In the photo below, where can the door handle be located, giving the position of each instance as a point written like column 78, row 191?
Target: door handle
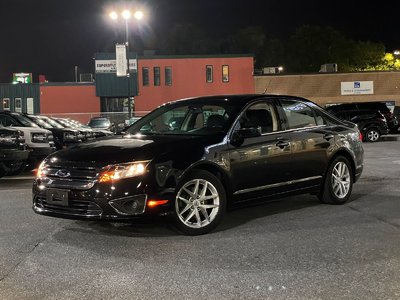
column 328, row 136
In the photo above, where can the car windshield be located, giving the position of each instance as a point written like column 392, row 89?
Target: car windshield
column 103, row 123
column 25, row 121
column 42, row 123
column 52, row 122
column 188, row 118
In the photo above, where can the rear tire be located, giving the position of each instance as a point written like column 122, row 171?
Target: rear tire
column 200, row 203
column 372, row 135
column 338, row 182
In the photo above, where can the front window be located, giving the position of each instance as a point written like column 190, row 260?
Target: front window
column 156, row 71
column 18, row 105
column 24, row 121
column 192, row 118
column 225, row 73
column 209, row 74
column 168, row 76
column 6, row 104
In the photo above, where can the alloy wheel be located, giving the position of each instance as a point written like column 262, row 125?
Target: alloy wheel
column 341, row 180
column 197, row 203
column 373, row 135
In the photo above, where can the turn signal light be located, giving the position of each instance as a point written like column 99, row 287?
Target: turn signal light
column 154, row 203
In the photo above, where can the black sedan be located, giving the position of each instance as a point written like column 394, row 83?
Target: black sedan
column 228, row 150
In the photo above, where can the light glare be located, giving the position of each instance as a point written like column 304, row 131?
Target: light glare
column 138, row 15
column 126, row 14
column 113, row 15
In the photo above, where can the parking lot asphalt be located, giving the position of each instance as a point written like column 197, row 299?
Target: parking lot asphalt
column 295, row 248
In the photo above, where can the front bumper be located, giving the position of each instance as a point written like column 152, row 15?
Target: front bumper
column 13, row 154
column 111, row 202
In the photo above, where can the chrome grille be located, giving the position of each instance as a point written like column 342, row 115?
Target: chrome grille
column 71, row 175
column 75, row 207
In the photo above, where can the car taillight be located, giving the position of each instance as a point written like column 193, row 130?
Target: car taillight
column 361, row 136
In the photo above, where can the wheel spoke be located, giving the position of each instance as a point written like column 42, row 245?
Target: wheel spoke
column 188, row 206
column 206, row 206
column 190, row 215
column 196, row 212
column 189, row 192
column 196, row 188
column 204, row 191
column 184, row 200
column 205, row 214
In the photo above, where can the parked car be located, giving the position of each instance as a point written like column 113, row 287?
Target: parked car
column 102, row 123
column 86, row 133
column 13, row 151
column 38, row 140
column 229, row 150
column 63, row 137
column 371, row 123
column 391, row 119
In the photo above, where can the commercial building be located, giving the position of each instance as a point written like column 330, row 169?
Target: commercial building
column 332, row 88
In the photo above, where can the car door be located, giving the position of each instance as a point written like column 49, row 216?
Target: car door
column 259, row 164
column 311, row 142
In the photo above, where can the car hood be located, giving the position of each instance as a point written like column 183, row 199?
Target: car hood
column 119, row 149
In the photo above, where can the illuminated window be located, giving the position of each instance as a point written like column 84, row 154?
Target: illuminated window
column 145, row 76
column 209, row 73
column 168, row 76
column 225, row 73
column 6, row 104
column 18, row 104
column 156, row 76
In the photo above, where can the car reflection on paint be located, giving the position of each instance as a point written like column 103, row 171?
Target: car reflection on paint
column 228, row 150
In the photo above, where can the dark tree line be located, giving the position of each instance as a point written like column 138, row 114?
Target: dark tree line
column 304, row 51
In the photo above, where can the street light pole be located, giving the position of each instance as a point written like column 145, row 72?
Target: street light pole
column 128, row 75
column 126, row 15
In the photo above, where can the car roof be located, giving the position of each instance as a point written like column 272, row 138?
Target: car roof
column 237, row 98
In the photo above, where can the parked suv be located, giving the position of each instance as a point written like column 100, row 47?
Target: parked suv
column 13, row 151
column 371, row 123
column 392, row 121
column 63, row 137
column 38, row 140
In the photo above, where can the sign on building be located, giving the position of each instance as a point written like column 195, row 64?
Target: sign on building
column 357, row 88
column 22, row 78
column 121, row 62
column 110, row 65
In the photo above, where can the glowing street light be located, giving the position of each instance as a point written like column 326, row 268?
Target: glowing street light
column 127, row 15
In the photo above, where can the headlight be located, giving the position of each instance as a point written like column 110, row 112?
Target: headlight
column 8, row 140
column 70, row 136
column 126, row 170
column 39, row 137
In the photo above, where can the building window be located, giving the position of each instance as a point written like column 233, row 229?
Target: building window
column 6, row 104
column 209, row 73
column 168, row 76
column 156, row 76
column 18, row 105
column 145, row 76
column 29, row 105
column 225, row 73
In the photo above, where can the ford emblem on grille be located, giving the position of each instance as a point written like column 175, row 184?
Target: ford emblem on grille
column 63, row 173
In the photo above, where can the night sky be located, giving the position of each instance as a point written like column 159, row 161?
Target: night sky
column 50, row 37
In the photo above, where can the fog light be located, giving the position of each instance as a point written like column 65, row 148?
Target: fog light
column 132, row 205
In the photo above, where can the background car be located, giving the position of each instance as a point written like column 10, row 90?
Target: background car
column 63, row 137
column 38, row 140
column 371, row 123
column 13, row 151
column 391, row 119
column 101, row 123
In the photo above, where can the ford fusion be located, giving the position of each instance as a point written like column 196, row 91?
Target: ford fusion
column 225, row 151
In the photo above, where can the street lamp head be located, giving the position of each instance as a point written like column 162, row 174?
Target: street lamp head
column 138, row 15
column 113, row 15
column 126, row 14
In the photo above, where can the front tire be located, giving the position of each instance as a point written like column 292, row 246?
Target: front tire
column 338, row 182
column 200, row 203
